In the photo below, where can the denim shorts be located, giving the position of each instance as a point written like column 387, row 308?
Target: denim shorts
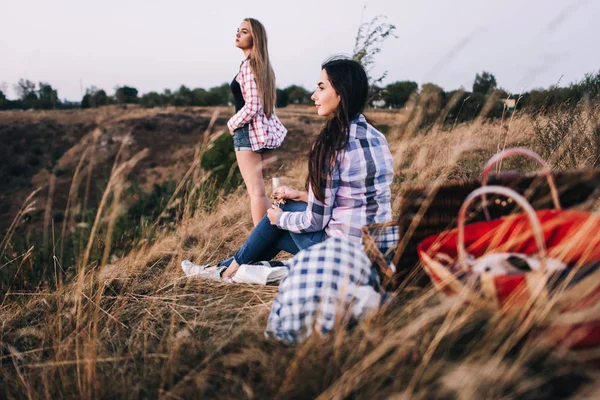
column 241, row 140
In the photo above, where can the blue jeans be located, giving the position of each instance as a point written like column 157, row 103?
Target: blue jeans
column 241, row 140
column 266, row 240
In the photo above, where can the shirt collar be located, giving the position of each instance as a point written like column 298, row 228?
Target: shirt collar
column 358, row 122
column 245, row 59
column 359, row 118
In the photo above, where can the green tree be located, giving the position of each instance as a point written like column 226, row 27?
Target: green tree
column 47, row 96
column 297, row 95
column 282, row 99
column 213, row 98
column 94, row 97
column 3, row 102
column 484, row 82
column 167, row 97
column 225, row 92
column 26, row 90
column 183, row 97
column 376, row 94
column 397, row 94
column 219, row 96
column 431, row 88
column 199, row 97
column 126, row 95
column 85, row 101
column 100, row 98
column 152, row 99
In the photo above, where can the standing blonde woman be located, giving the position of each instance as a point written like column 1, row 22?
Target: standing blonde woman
column 255, row 128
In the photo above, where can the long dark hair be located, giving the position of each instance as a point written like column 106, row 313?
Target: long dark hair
column 350, row 82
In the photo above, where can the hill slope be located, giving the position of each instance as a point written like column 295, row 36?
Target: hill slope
column 134, row 327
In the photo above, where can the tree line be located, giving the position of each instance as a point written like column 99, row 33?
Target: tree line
column 394, row 95
column 44, row 97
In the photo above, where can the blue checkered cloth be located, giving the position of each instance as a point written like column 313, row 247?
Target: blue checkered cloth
column 329, row 282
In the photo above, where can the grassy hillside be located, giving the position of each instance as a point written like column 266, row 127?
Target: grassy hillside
column 128, row 324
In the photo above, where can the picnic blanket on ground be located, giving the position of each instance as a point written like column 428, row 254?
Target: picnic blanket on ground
column 330, row 283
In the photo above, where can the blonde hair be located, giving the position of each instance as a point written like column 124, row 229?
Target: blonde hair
column 261, row 66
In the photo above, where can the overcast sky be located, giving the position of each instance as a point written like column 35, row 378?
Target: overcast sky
column 157, row 44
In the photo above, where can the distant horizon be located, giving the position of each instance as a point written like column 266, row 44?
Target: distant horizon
column 152, row 46
column 468, row 89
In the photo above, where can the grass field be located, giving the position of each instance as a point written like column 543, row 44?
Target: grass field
column 131, row 326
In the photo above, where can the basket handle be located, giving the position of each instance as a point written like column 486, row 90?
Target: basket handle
column 524, row 152
column 520, row 200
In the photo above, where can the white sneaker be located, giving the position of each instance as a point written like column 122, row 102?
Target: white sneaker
column 194, row 270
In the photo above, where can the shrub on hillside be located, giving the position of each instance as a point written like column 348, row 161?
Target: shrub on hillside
column 37, row 150
column 220, row 162
column 32, row 160
column 16, row 169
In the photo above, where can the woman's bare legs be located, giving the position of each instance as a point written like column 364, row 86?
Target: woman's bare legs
column 268, row 157
column 250, row 164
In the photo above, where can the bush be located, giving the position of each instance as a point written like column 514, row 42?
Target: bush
column 16, row 169
column 17, row 148
column 56, row 154
column 4, row 207
column 58, row 172
column 32, row 160
column 219, row 160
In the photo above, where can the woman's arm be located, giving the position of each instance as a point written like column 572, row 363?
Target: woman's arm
column 250, row 93
column 303, row 196
column 283, row 193
column 317, row 214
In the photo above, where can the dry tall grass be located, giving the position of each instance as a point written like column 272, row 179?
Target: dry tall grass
column 135, row 327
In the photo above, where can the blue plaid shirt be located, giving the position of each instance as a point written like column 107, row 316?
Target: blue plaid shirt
column 358, row 192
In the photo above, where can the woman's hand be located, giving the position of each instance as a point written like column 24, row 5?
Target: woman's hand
column 231, row 270
column 282, row 193
column 273, row 213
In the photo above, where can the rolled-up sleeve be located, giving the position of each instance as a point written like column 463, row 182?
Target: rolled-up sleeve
column 317, row 214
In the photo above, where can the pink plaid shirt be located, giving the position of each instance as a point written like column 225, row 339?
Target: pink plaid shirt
column 264, row 132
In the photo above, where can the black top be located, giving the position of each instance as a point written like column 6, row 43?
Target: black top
column 238, row 98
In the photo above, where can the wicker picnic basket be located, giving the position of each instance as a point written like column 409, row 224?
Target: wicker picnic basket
column 569, row 299
column 428, row 209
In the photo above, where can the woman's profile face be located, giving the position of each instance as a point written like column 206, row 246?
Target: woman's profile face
column 243, row 37
column 325, row 97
